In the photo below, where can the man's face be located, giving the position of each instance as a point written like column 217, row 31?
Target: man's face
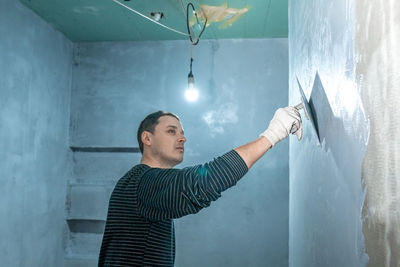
column 167, row 142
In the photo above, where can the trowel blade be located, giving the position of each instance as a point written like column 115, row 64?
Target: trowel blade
column 308, row 109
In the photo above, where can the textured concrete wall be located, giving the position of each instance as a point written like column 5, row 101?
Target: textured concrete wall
column 35, row 67
column 241, row 84
column 326, row 193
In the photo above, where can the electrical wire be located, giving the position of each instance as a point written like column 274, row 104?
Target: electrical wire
column 210, row 30
column 185, row 15
column 191, row 57
column 197, row 20
column 152, row 20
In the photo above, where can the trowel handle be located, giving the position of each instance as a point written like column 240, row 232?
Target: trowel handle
column 299, row 106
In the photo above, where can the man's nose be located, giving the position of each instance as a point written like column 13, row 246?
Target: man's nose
column 182, row 138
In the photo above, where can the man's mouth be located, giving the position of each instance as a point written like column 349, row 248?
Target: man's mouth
column 180, row 148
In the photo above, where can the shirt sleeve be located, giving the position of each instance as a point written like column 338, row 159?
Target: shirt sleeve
column 173, row 193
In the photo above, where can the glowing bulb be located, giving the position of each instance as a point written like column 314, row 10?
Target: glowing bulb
column 191, row 94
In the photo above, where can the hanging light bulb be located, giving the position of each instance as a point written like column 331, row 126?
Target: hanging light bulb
column 191, row 93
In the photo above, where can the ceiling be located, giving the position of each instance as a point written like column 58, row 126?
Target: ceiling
column 105, row 20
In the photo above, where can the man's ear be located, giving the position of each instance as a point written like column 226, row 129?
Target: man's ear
column 146, row 139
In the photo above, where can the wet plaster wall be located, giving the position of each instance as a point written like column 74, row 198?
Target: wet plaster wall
column 241, row 83
column 353, row 45
column 326, row 188
column 36, row 68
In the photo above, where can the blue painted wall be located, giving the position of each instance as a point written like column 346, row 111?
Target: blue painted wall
column 36, row 68
column 241, row 83
column 326, row 194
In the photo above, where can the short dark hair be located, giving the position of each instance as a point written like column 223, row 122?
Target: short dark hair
column 149, row 124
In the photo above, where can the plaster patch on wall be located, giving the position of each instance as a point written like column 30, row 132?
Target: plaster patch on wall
column 221, row 13
column 217, row 119
column 377, row 42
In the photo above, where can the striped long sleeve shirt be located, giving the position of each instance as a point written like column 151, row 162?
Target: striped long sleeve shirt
column 139, row 229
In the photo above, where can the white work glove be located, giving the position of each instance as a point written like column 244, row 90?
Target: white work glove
column 285, row 121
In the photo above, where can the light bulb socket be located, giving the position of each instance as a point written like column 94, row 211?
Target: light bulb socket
column 190, row 80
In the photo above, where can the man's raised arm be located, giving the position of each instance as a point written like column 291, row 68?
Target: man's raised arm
column 285, row 121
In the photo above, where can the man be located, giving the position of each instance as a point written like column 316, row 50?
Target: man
column 139, row 229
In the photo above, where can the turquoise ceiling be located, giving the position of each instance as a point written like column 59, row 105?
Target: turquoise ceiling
column 105, row 20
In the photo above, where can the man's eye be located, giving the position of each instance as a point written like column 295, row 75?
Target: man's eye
column 171, row 131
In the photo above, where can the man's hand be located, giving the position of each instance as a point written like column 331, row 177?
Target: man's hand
column 285, row 121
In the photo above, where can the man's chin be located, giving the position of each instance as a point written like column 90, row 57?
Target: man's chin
column 177, row 161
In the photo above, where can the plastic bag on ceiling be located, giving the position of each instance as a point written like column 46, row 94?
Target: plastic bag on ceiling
column 218, row 14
